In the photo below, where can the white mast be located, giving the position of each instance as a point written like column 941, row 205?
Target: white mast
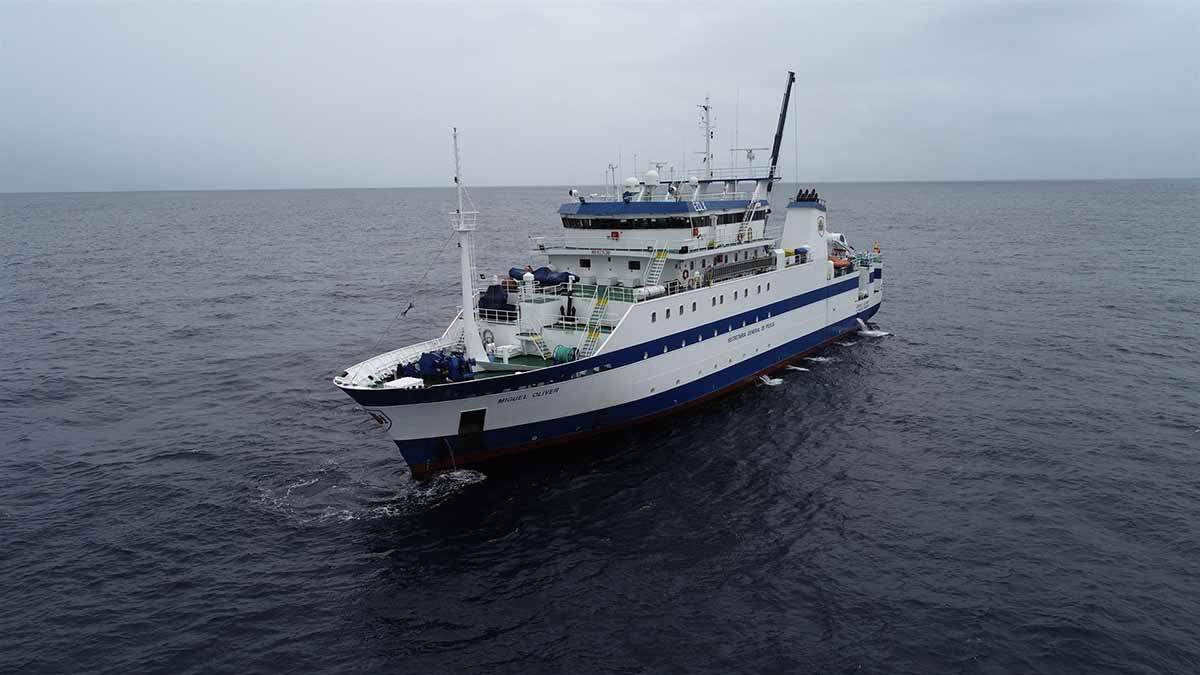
column 708, row 136
column 464, row 224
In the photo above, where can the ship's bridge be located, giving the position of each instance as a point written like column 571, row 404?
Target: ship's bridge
column 642, row 225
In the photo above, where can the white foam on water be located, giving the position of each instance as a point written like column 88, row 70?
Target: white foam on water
column 874, row 333
column 818, row 359
column 770, row 381
column 803, row 370
column 847, row 343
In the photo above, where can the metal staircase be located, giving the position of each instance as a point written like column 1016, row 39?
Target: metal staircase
column 593, row 330
column 538, row 341
column 744, row 231
column 657, row 264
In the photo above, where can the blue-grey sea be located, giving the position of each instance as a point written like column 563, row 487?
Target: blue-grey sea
column 1009, row 483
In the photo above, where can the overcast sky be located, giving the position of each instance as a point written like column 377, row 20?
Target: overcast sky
column 166, row 96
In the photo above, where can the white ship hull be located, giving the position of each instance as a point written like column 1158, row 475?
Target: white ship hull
column 646, row 369
column 661, row 295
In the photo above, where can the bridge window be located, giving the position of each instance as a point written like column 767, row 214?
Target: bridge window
column 585, row 263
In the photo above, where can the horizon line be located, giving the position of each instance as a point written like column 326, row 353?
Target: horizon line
column 535, row 185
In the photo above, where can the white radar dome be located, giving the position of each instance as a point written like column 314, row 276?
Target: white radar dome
column 652, row 176
column 693, row 181
column 631, row 182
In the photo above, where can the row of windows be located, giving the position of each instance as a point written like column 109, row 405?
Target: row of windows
column 586, row 263
column 729, row 218
column 716, row 300
column 635, row 265
column 700, row 337
column 662, row 223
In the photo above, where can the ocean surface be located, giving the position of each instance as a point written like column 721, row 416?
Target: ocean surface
column 1008, row 483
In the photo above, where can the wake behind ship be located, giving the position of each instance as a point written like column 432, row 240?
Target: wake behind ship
column 659, row 295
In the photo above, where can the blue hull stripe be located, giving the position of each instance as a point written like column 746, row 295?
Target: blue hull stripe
column 428, row 454
column 602, row 361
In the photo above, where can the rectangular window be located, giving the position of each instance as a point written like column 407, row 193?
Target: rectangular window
column 759, row 289
column 681, row 310
column 735, row 295
column 693, row 306
column 668, row 312
column 635, row 264
column 722, row 298
column 653, row 317
column 585, row 263
column 714, row 301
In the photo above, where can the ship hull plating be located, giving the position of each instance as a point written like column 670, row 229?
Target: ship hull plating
column 646, row 379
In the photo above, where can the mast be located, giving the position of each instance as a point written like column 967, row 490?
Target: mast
column 787, row 94
column 708, row 136
column 464, row 224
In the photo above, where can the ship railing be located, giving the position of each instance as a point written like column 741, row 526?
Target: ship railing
column 541, row 245
column 734, row 173
column 504, row 316
column 374, row 370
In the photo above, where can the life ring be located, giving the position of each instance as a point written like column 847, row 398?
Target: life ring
column 840, row 262
column 695, row 232
column 685, row 275
column 615, row 234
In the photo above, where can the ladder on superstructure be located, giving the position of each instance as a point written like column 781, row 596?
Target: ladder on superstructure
column 744, row 230
column 594, row 328
column 543, row 349
column 657, row 263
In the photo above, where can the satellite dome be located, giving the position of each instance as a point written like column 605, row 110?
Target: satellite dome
column 693, row 181
column 631, row 182
column 652, row 176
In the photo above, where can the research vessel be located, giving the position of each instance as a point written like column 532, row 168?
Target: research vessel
column 660, row 293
